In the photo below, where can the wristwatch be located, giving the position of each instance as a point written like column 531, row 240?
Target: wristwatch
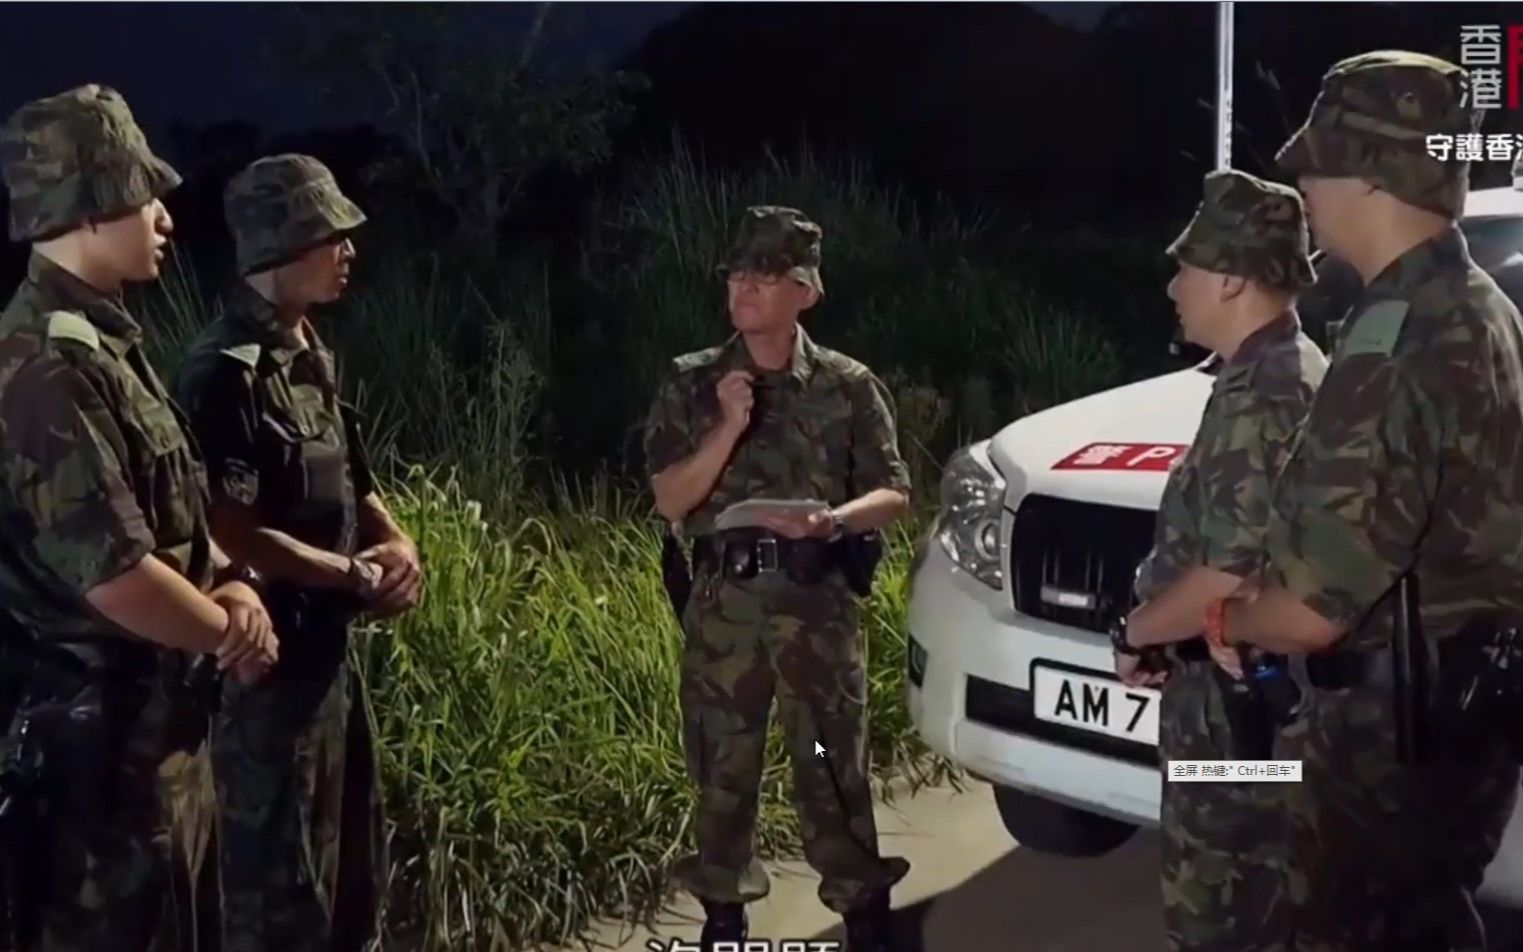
column 363, row 577
column 837, row 527
column 1118, row 638
column 243, row 573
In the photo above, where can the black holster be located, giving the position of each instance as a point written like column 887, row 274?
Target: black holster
column 202, row 685
column 81, row 705
column 78, row 705
column 23, row 841
column 676, row 576
column 194, row 686
column 313, row 626
column 859, row 555
column 23, row 850
column 1478, row 699
column 1257, row 706
column 1461, row 699
column 1277, row 689
column 1250, row 724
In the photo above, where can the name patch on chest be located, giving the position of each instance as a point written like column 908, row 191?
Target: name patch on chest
column 1146, row 457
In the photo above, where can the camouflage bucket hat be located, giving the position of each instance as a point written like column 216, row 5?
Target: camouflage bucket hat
column 1372, row 120
column 74, row 158
column 772, row 239
column 281, row 205
column 1251, row 228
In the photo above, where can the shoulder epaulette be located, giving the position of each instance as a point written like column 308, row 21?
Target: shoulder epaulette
column 840, row 363
column 1237, row 376
column 696, row 359
column 243, row 353
column 71, row 325
column 1375, row 330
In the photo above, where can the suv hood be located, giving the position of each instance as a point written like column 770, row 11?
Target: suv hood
column 1495, row 202
column 1112, row 447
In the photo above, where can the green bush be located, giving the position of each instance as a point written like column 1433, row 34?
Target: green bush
column 527, row 711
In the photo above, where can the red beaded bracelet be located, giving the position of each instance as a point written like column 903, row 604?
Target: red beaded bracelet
column 1216, row 623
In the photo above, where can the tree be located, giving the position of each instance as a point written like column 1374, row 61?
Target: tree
column 477, row 125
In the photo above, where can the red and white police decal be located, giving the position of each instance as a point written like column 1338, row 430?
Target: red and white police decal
column 1124, row 456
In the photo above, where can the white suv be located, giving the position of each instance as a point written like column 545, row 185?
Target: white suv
column 1035, row 551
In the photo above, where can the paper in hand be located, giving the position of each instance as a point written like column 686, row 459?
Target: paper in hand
column 748, row 514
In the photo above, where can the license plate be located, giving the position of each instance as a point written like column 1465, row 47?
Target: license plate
column 1098, row 704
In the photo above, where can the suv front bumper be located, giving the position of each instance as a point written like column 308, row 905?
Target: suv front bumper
column 973, row 703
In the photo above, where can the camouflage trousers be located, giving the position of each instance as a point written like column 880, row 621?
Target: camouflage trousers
column 302, row 850
column 1382, row 856
column 1223, row 842
column 747, row 641
column 115, row 859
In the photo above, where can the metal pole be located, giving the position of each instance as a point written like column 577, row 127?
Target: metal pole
column 1223, row 85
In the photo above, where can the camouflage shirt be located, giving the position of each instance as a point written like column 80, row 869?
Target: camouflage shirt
column 821, row 429
column 1216, row 502
column 1411, row 454
column 99, row 471
column 275, row 433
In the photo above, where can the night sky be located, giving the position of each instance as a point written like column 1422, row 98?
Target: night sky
column 201, row 62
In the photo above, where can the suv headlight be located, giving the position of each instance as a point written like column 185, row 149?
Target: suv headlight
column 968, row 527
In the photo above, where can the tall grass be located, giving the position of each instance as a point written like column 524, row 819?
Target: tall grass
column 901, row 293
column 529, row 717
column 527, row 711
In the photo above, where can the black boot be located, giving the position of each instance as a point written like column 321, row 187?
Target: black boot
column 869, row 927
column 725, row 922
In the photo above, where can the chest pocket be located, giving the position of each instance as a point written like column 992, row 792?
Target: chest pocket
column 819, row 434
column 168, row 480
column 308, row 447
column 835, row 438
column 1178, row 528
column 160, row 427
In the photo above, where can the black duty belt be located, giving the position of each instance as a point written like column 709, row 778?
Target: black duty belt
column 1192, row 650
column 295, row 605
column 1330, row 670
column 107, row 657
column 744, row 554
column 768, row 550
column 1337, row 670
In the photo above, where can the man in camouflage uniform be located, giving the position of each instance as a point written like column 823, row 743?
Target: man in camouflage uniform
column 770, row 414
column 1242, row 260
column 1408, row 464
column 106, row 565
column 301, row 841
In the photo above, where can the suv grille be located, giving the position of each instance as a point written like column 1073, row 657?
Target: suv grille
column 1081, row 548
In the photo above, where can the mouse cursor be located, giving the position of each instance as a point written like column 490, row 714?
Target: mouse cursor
column 818, row 750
